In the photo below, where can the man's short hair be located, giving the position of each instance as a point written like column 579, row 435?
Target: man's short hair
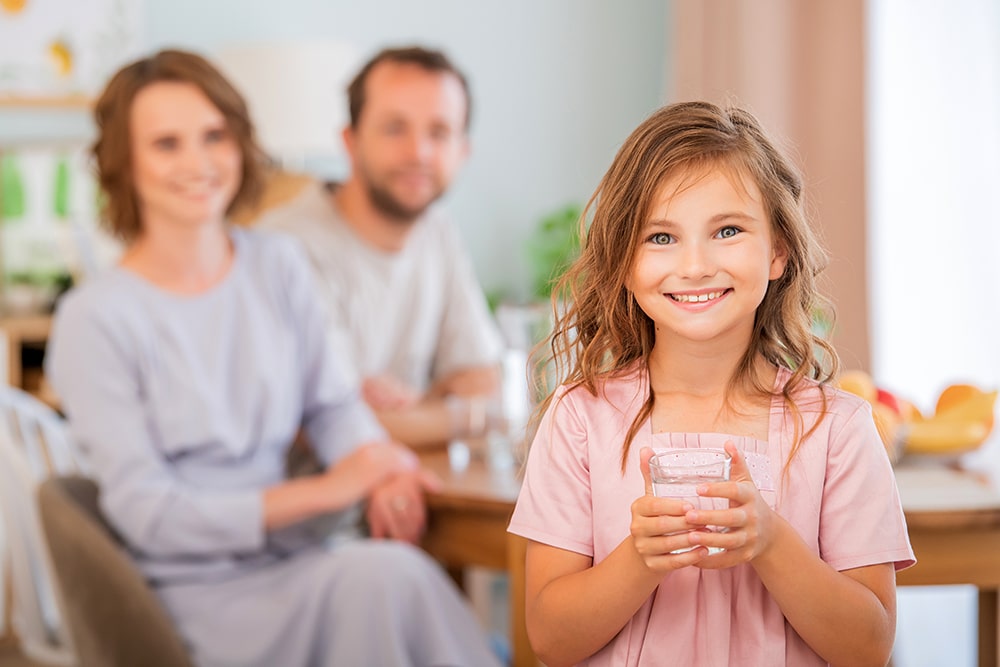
column 428, row 59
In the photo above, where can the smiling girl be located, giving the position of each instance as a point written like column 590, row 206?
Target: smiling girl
column 687, row 324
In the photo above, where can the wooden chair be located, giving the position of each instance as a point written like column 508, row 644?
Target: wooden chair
column 114, row 618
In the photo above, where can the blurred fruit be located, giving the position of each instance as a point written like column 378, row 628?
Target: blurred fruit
column 885, row 408
column 889, row 399
column 978, row 407
column 61, row 56
column 962, row 420
column 942, row 437
column 908, row 411
column 858, row 383
column 12, row 6
column 888, row 423
column 954, row 395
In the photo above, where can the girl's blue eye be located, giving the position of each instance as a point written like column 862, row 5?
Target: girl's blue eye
column 728, row 232
column 661, row 238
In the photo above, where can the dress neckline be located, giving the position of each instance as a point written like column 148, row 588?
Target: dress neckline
column 236, row 238
column 773, row 419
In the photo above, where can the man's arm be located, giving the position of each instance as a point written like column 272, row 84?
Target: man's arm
column 457, row 405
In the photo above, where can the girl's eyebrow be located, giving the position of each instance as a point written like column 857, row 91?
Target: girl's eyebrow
column 715, row 219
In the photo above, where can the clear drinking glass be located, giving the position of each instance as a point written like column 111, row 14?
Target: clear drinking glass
column 677, row 473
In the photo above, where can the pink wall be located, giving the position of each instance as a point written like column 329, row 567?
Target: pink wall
column 799, row 66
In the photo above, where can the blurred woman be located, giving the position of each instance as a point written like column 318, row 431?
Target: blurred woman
column 186, row 372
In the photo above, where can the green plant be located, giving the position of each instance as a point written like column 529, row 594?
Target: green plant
column 553, row 247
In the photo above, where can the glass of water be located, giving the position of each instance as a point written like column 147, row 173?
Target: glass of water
column 677, row 473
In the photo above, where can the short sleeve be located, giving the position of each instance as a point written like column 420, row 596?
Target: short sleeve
column 861, row 521
column 554, row 506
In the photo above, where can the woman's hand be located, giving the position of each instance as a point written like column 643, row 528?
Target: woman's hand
column 659, row 526
column 369, row 465
column 396, row 508
column 749, row 519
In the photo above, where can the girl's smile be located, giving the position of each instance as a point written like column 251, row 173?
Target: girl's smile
column 697, row 299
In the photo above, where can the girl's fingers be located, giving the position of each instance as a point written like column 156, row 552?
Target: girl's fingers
column 645, row 454
column 738, row 471
column 729, row 518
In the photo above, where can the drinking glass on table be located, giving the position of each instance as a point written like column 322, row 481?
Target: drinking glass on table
column 677, row 473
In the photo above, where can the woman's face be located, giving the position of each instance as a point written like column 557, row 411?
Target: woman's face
column 186, row 166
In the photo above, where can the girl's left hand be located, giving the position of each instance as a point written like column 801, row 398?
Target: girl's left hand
column 396, row 508
column 749, row 519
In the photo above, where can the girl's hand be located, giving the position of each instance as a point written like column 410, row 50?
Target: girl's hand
column 659, row 527
column 749, row 519
column 396, row 508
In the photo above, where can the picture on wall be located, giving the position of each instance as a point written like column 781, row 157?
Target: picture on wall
column 64, row 47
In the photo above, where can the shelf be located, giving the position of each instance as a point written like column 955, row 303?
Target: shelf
column 71, row 102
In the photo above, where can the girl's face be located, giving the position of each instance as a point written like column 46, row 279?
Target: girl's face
column 186, row 166
column 705, row 257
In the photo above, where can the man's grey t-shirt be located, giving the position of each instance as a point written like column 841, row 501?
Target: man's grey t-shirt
column 417, row 314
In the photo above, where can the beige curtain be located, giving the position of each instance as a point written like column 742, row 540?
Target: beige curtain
column 799, row 66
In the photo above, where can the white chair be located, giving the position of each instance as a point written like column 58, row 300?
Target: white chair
column 34, row 445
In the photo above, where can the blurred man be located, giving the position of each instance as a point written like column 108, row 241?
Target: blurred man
column 406, row 308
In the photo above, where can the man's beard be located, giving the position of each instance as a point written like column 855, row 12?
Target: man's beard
column 387, row 204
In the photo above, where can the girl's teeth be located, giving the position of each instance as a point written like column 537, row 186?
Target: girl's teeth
column 696, row 298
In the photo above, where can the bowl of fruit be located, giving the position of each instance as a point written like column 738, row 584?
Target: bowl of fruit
column 961, row 421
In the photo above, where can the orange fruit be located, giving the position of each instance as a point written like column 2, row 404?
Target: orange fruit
column 908, row 411
column 858, row 383
column 977, row 407
column 954, row 395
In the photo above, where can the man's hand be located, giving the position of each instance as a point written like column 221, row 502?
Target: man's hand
column 384, row 392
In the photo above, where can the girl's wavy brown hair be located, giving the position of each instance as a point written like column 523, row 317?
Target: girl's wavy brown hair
column 600, row 331
column 113, row 148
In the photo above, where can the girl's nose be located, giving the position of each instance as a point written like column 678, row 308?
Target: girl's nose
column 696, row 261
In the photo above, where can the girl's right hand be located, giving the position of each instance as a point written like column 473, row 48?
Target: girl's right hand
column 659, row 527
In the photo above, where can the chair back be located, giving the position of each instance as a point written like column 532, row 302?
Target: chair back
column 34, row 443
column 114, row 617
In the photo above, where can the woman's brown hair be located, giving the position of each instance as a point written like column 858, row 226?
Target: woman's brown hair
column 600, row 331
column 113, row 151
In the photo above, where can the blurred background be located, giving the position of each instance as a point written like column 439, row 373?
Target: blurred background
column 891, row 108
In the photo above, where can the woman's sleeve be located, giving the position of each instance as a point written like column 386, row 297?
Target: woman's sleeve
column 96, row 370
column 861, row 521
column 334, row 415
column 554, row 505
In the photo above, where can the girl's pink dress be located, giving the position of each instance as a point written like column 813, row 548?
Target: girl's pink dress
column 839, row 494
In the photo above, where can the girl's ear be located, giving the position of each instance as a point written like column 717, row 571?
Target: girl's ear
column 778, row 261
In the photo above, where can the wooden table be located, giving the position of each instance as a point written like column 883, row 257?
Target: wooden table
column 953, row 518
column 467, row 526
